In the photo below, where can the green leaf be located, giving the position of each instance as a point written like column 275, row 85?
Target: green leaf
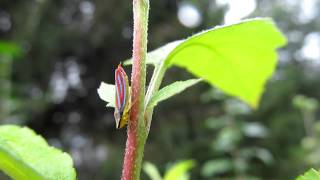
column 312, row 174
column 227, row 139
column 179, row 170
column 158, row 55
column 305, row 103
column 25, row 155
column 171, row 90
column 107, row 93
column 152, row 171
column 9, row 49
column 237, row 58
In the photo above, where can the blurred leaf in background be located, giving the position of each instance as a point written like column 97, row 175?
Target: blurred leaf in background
column 217, row 166
column 177, row 171
column 233, row 157
column 9, row 49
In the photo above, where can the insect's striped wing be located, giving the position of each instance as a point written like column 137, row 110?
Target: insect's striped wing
column 121, row 88
column 122, row 99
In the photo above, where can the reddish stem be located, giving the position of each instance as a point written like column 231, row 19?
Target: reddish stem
column 136, row 129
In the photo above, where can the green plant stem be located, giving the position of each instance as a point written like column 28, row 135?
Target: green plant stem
column 137, row 132
column 154, row 86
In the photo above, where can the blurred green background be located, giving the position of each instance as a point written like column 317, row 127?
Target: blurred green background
column 54, row 54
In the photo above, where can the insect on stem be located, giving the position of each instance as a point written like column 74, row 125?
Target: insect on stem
column 123, row 98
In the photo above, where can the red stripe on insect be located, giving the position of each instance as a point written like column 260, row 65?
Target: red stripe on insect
column 121, row 88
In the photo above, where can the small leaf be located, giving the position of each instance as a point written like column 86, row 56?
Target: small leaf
column 171, row 90
column 213, row 167
column 227, row 139
column 312, row 174
column 255, row 130
column 261, row 153
column 156, row 56
column 25, row 155
column 179, row 170
column 107, row 93
column 152, row 171
column 305, row 103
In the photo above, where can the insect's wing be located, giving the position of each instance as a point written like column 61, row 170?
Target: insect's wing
column 121, row 88
column 126, row 111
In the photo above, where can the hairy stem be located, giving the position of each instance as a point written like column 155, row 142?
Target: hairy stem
column 137, row 133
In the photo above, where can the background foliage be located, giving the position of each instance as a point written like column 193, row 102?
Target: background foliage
column 65, row 48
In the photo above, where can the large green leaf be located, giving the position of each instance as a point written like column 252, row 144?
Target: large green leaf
column 237, row 58
column 310, row 175
column 25, row 155
column 171, row 90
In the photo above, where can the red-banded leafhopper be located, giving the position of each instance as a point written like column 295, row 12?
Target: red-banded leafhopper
column 122, row 98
